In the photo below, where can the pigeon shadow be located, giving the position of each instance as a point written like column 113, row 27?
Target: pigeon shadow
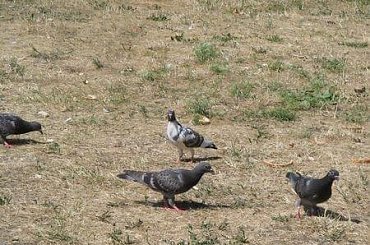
column 200, row 159
column 23, row 141
column 322, row 212
column 184, row 205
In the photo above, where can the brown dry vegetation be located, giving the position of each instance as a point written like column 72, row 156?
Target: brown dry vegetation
column 277, row 79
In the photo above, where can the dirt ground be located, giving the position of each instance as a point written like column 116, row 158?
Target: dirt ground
column 285, row 85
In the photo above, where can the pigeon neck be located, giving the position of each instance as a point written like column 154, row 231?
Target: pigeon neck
column 26, row 127
column 175, row 122
column 196, row 175
column 327, row 180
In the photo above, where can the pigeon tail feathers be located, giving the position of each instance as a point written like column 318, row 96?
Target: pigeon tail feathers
column 136, row 176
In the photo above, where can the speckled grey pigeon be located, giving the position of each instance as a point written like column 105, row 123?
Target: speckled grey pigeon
column 185, row 137
column 169, row 181
column 12, row 124
column 311, row 191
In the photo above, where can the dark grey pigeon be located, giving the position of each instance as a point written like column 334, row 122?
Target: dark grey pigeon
column 185, row 137
column 169, row 181
column 311, row 191
column 12, row 124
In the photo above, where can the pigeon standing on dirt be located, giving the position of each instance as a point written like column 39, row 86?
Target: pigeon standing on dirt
column 12, row 124
column 185, row 137
column 170, row 181
column 311, row 191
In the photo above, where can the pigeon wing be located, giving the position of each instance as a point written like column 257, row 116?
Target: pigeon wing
column 190, row 138
column 8, row 124
column 169, row 181
column 303, row 187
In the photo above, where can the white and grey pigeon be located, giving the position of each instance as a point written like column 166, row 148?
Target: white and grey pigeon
column 169, row 182
column 11, row 124
column 311, row 191
column 185, row 137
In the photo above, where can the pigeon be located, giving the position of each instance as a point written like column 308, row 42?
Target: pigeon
column 185, row 137
column 311, row 191
column 12, row 124
column 169, row 181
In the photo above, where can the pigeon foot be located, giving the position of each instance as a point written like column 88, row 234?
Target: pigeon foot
column 171, row 206
column 175, row 208
column 297, row 216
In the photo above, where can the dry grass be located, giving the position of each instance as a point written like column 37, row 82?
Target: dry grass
column 278, row 84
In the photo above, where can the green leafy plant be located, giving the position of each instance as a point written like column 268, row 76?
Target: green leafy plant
column 205, row 52
column 280, row 113
column 318, row 94
column 16, row 67
column 158, row 17
column 5, row 199
column 241, row 90
column 333, row 65
column 276, row 66
column 358, row 114
column 219, row 68
column 275, row 39
column 199, row 105
column 355, row 44
column 98, row 64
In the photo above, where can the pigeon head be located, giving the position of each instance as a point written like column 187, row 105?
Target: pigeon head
column 204, row 167
column 333, row 174
column 171, row 115
column 36, row 126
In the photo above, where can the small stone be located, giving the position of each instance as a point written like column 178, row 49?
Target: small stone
column 92, row 97
column 43, row 113
column 69, row 119
column 49, row 141
column 204, row 121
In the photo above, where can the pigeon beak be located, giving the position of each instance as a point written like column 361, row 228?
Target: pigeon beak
column 212, row 171
column 336, row 178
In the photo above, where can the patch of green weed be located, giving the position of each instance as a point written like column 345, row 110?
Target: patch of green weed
column 280, row 114
column 241, row 90
column 318, row 94
column 275, row 39
column 199, row 105
column 277, row 65
column 358, row 114
column 355, row 44
column 17, row 68
column 158, row 17
column 5, row 200
column 205, row 52
column 333, row 64
column 98, row 64
column 224, row 37
column 219, row 68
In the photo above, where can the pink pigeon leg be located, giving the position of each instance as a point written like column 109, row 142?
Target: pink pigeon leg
column 7, row 145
